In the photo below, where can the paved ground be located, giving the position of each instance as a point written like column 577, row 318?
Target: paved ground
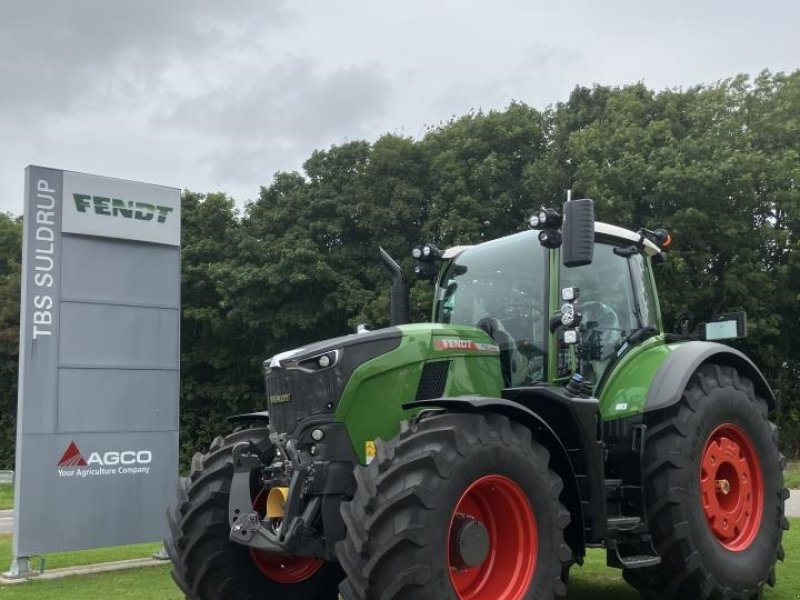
column 793, row 504
column 6, row 521
column 792, row 510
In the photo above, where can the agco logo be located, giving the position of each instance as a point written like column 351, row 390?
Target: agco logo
column 125, row 209
column 122, row 463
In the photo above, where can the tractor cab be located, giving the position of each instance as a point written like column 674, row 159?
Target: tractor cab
column 514, row 289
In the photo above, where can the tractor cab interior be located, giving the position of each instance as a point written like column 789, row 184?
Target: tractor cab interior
column 500, row 287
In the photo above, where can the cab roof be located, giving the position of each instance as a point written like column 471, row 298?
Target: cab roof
column 603, row 229
column 618, row 232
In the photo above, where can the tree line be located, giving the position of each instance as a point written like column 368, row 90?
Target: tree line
column 718, row 165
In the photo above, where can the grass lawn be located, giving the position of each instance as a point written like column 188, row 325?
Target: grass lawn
column 592, row 582
column 6, row 496
column 597, row 582
column 151, row 583
column 58, row 560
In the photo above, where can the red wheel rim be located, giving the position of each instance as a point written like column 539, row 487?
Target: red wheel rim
column 504, row 510
column 282, row 568
column 285, row 569
column 731, row 487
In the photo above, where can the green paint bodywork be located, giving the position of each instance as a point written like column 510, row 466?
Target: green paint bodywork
column 554, row 306
column 625, row 391
column 371, row 405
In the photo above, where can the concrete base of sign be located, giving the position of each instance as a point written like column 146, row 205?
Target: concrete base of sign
column 120, row 565
column 161, row 554
column 20, row 569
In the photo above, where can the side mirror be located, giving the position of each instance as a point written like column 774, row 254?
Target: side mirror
column 578, row 233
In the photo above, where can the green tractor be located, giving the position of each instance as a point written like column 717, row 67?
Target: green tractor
column 542, row 412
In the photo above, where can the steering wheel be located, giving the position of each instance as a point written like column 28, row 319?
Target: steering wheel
column 600, row 317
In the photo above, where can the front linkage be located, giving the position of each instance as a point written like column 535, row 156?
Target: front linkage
column 305, row 491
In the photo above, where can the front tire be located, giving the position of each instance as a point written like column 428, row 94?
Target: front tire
column 456, row 507
column 207, row 565
column 714, row 493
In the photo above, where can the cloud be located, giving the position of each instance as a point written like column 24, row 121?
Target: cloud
column 535, row 77
column 215, row 95
column 277, row 114
column 59, row 57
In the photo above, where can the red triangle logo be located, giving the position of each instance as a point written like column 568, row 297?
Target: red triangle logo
column 72, row 457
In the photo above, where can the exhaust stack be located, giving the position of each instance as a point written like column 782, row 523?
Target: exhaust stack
column 398, row 296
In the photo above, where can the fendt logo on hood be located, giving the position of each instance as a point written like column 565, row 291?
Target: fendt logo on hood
column 116, row 207
column 124, row 463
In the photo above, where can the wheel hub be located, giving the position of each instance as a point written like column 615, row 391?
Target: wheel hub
column 282, row 568
column 493, row 541
column 469, row 542
column 731, row 487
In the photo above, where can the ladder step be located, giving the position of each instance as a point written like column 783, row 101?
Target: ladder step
column 639, row 562
column 624, row 523
column 636, row 555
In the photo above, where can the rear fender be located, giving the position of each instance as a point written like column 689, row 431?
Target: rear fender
column 673, row 376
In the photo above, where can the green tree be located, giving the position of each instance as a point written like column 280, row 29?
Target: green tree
column 718, row 165
column 217, row 378
column 10, row 269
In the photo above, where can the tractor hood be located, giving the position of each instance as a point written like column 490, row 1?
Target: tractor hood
column 300, row 356
column 310, row 380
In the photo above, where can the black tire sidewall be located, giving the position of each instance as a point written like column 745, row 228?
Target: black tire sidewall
column 728, row 405
column 533, row 478
column 234, row 574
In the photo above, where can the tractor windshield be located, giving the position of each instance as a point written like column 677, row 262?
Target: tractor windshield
column 500, row 287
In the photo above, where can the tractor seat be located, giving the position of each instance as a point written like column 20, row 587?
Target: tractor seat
column 508, row 347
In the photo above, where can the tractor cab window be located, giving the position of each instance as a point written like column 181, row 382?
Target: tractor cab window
column 614, row 302
column 500, row 286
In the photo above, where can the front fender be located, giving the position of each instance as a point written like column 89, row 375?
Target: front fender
column 262, row 417
column 542, row 432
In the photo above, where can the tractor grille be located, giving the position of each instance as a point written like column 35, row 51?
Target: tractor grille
column 434, row 380
column 298, row 388
column 294, row 394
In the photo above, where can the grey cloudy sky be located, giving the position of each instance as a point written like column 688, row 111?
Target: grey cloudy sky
column 217, row 96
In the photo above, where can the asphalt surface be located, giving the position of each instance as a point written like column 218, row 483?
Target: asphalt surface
column 793, row 504
column 792, row 510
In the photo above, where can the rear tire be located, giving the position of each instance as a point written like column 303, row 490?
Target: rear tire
column 714, row 493
column 403, row 525
column 207, row 565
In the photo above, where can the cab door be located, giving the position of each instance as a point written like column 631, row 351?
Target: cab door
column 616, row 299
